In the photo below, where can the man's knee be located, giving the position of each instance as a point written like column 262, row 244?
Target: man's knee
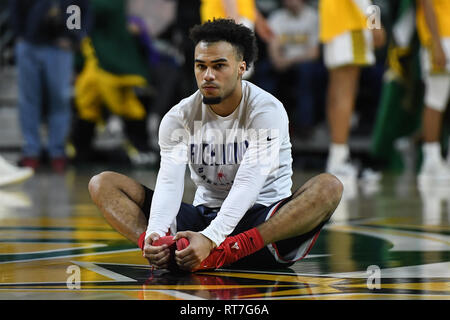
column 99, row 182
column 331, row 191
column 331, row 186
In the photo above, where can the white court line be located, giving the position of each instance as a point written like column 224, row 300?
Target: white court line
column 104, row 272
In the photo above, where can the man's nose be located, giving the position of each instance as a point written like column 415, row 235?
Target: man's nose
column 209, row 74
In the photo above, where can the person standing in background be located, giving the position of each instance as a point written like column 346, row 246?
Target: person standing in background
column 44, row 53
column 292, row 52
column 348, row 46
column 433, row 24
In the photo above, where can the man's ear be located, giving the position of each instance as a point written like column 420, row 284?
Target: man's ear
column 242, row 67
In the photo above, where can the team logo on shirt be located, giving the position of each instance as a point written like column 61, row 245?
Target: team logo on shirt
column 218, row 154
column 221, row 176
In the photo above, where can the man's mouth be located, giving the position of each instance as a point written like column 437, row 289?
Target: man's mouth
column 209, row 86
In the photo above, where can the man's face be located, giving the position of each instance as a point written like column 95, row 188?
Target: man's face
column 293, row 5
column 218, row 69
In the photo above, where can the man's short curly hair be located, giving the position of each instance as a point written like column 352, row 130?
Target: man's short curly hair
column 238, row 35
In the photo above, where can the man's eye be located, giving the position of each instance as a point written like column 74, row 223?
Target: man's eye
column 201, row 66
column 219, row 66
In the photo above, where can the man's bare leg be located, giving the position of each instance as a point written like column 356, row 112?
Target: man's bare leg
column 310, row 205
column 432, row 124
column 342, row 90
column 120, row 199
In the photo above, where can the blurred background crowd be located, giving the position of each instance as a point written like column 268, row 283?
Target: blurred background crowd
column 358, row 98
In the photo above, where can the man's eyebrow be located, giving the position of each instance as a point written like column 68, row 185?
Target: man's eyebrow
column 213, row 61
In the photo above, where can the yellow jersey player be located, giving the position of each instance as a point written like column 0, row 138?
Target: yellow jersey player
column 433, row 24
column 348, row 46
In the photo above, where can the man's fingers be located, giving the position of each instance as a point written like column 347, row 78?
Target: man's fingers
column 183, row 253
column 160, row 255
column 184, row 258
column 161, row 258
column 182, row 234
column 187, row 261
column 149, row 249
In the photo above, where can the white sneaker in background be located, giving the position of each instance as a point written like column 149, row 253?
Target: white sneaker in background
column 370, row 176
column 10, row 174
column 434, row 172
column 344, row 171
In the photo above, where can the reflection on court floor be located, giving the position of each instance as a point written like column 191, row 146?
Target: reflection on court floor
column 385, row 241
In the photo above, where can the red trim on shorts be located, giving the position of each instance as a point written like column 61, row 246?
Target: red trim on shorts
column 307, row 250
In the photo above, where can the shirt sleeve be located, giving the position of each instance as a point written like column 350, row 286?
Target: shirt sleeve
column 265, row 133
column 168, row 194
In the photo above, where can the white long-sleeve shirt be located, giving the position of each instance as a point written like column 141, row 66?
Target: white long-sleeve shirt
column 235, row 161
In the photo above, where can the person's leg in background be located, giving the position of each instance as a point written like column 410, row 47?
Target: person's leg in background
column 30, row 99
column 58, row 76
column 437, row 92
column 342, row 90
column 344, row 57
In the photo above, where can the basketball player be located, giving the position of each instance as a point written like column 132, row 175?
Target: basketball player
column 348, row 46
column 433, row 24
column 234, row 137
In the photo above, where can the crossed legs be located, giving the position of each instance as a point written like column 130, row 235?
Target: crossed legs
column 120, row 199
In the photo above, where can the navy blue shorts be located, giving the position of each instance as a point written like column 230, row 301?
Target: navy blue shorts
column 276, row 255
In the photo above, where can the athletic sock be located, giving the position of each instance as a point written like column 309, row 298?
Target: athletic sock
column 232, row 249
column 432, row 152
column 338, row 153
column 248, row 242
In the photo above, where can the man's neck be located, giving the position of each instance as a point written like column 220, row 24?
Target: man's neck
column 228, row 105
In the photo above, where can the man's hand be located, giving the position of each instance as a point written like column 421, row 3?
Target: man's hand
column 198, row 250
column 158, row 256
